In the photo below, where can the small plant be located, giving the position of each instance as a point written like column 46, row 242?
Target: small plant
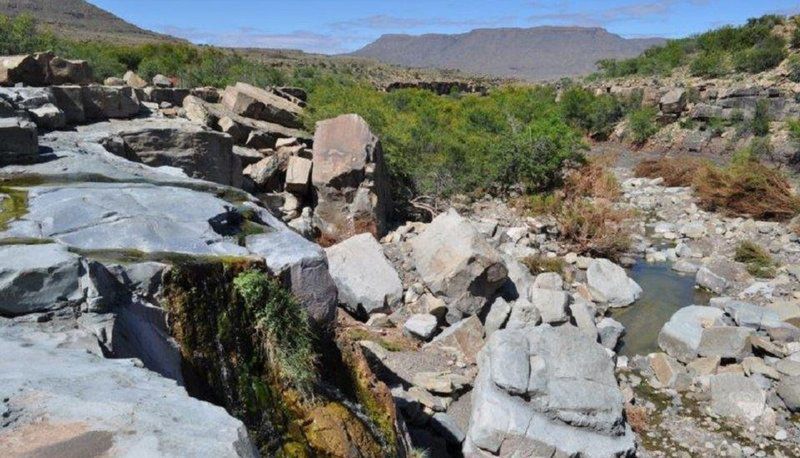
column 759, row 125
column 795, row 43
column 759, row 262
column 283, row 326
column 759, row 148
column 641, row 125
column 596, row 227
column 538, row 264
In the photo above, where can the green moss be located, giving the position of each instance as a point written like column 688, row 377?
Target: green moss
column 12, row 207
column 389, row 343
column 540, row 264
column 24, row 241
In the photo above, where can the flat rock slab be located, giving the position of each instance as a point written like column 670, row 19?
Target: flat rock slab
column 124, row 216
column 737, row 396
column 64, row 401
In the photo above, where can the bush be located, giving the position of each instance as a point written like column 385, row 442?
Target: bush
column 764, row 56
column 758, row 125
column 759, row 263
column 595, row 115
column 759, row 148
column 708, row 64
column 793, row 66
column 593, row 180
column 641, row 125
column 795, row 43
column 283, row 325
column 595, row 228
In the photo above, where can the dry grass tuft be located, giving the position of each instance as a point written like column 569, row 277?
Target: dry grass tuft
column 745, row 188
column 594, row 179
column 676, row 172
column 596, row 228
column 540, row 264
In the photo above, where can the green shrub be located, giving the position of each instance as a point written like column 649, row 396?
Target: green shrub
column 708, row 64
column 758, row 125
column 795, row 43
column 793, row 65
column 596, row 115
column 759, row 263
column 764, row 56
column 642, row 125
column 538, row 264
column 759, row 148
column 283, row 325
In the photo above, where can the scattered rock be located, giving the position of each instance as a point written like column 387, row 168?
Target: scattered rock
column 421, row 326
column 610, row 284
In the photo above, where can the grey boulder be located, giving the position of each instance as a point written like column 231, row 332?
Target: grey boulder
column 680, row 337
column 366, row 280
column 610, row 284
column 457, row 263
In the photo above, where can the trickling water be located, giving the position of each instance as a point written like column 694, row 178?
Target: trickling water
column 664, row 292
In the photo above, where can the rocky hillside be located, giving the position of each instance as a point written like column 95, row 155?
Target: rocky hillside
column 534, row 54
column 79, row 19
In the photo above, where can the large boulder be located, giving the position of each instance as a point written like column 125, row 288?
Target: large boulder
column 366, row 280
column 256, row 103
column 106, row 102
column 18, row 141
column 673, row 102
column 546, row 391
column 200, row 153
column 66, row 71
column 349, row 178
column 35, row 278
column 681, row 336
column 610, row 284
column 458, row 264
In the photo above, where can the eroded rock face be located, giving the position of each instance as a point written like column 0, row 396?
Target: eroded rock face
column 366, row 280
column 545, row 391
column 349, row 178
column 457, row 263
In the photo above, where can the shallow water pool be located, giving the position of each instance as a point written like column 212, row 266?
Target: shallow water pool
column 664, row 292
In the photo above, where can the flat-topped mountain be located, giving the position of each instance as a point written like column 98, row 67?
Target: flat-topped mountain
column 538, row 53
column 78, row 19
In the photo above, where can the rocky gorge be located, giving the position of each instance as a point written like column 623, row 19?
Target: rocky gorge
column 129, row 212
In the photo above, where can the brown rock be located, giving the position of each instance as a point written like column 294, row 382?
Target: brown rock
column 252, row 102
column 133, row 80
column 20, row 69
column 350, row 179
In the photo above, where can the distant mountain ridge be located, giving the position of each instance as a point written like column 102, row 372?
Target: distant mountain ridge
column 80, row 20
column 537, row 53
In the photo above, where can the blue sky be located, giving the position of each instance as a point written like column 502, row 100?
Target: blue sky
column 336, row 26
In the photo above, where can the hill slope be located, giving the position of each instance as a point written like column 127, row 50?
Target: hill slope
column 539, row 53
column 78, row 19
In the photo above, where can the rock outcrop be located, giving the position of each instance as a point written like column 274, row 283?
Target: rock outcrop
column 349, row 179
column 546, row 392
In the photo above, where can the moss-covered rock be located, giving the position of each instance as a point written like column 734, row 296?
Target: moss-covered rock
column 228, row 360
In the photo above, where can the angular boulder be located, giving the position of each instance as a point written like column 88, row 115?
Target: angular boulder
column 106, row 102
column 298, row 175
column 349, row 178
column 256, row 103
column 134, row 80
column 458, row 264
column 729, row 342
column 21, row 69
column 35, row 278
column 366, row 280
column 66, row 71
column 546, row 391
column 673, row 102
column 680, row 337
column 737, row 396
column 610, row 284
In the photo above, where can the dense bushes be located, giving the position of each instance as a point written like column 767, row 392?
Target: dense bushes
column 595, row 115
column 440, row 145
column 751, row 48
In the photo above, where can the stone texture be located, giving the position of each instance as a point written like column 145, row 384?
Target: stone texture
column 457, row 263
column 728, row 342
column 252, row 102
column 737, row 396
column 65, row 401
column 574, row 406
column 680, row 337
column 298, row 175
column 35, row 278
column 421, row 326
column 134, row 80
column 552, row 304
column 366, row 280
column 349, row 178
column 497, row 316
column 610, row 284
column 463, row 339
column 789, row 391
column 666, row 369
column 610, row 331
